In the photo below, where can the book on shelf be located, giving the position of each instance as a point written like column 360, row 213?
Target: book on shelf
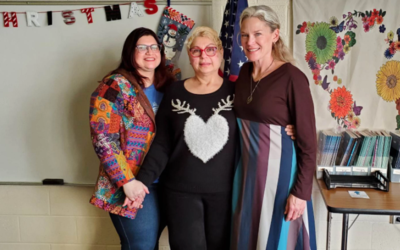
column 358, row 152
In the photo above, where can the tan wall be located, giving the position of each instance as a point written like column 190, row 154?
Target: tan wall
column 56, row 218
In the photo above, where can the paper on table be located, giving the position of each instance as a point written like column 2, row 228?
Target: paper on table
column 359, row 194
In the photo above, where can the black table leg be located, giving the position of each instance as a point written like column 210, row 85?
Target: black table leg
column 328, row 231
column 345, row 228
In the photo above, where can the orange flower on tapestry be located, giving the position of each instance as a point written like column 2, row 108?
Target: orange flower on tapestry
column 341, row 102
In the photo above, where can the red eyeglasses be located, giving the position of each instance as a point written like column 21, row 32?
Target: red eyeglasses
column 210, row 51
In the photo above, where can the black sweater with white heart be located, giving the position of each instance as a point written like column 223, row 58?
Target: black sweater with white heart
column 195, row 143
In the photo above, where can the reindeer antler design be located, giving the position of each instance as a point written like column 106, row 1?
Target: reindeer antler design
column 227, row 105
column 181, row 109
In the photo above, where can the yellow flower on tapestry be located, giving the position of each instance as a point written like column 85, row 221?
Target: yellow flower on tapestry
column 388, row 81
column 350, row 116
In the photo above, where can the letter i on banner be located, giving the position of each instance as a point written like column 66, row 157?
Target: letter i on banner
column 88, row 12
column 32, row 18
column 49, row 18
column 7, row 19
column 135, row 10
column 68, row 17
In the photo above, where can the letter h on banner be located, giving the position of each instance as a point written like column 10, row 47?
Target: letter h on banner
column 7, row 19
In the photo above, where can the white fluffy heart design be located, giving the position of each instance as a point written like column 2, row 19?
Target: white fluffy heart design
column 205, row 140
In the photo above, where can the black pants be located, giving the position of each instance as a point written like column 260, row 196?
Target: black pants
column 198, row 221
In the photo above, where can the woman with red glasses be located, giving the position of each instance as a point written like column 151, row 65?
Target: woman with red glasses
column 195, row 150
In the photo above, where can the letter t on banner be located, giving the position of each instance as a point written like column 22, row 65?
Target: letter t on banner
column 32, row 18
column 7, row 18
column 88, row 12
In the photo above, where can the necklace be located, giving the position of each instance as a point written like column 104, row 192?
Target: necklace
column 250, row 98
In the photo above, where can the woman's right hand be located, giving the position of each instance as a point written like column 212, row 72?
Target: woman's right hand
column 133, row 204
column 135, row 190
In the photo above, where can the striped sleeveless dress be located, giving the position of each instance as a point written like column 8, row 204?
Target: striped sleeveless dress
column 267, row 172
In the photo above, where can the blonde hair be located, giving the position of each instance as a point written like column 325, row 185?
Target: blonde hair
column 264, row 13
column 204, row 31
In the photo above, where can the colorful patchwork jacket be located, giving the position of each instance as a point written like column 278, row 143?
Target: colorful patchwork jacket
column 122, row 128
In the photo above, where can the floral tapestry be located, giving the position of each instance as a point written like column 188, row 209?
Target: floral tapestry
column 350, row 52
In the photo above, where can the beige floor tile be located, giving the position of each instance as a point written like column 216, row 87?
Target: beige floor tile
column 385, row 236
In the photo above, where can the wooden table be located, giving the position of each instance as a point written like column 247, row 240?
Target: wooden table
column 339, row 201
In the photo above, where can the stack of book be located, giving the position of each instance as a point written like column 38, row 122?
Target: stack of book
column 355, row 148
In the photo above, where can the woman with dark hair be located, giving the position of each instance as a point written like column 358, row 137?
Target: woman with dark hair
column 122, row 111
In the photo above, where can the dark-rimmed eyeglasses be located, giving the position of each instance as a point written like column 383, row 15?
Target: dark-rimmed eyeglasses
column 143, row 47
column 210, row 51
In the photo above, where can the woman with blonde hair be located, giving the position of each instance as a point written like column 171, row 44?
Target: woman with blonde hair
column 195, row 144
column 273, row 182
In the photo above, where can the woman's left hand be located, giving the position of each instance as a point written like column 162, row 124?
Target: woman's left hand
column 291, row 131
column 294, row 208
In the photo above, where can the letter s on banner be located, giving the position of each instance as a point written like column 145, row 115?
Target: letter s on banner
column 151, row 6
column 68, row 17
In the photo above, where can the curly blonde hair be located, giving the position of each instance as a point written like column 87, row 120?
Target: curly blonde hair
column 264, row 13
column 204, row 31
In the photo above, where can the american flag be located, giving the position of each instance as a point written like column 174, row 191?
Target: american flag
column 234, row 56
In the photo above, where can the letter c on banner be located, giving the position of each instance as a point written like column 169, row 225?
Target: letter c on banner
column 151, row 6
column 68, row 17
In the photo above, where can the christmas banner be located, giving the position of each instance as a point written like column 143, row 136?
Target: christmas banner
column 112, row 13
column 350, row 52
column 172, row 31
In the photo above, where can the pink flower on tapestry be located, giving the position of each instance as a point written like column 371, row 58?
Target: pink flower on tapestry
column 341, row 102
column 331, row 64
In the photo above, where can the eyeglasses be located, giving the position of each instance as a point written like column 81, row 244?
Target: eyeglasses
column 210, row 51
column 142, row 48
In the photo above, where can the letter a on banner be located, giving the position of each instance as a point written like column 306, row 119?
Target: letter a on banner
column 68, row 17
column 7, row 19
column 135, row 10
column 32, row 18
column 88, row 12
column 112, row 14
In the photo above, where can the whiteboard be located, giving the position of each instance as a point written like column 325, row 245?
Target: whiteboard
column 47, row 76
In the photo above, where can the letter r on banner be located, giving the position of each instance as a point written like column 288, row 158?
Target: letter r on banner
column 32, row 18
column 88, row 12
column 7, row 19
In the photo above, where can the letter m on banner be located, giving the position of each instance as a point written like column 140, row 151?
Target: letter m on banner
column 112, row 14
column 10, row 18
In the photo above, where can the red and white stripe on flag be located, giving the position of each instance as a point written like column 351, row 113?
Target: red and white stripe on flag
column 7, row 19
column 88, row 12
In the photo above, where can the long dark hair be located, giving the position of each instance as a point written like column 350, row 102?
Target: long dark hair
column 162, row 77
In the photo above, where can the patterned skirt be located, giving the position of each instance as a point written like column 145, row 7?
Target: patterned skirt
column 262, row 184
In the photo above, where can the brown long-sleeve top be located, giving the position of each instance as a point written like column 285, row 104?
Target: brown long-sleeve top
column 283, row 97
